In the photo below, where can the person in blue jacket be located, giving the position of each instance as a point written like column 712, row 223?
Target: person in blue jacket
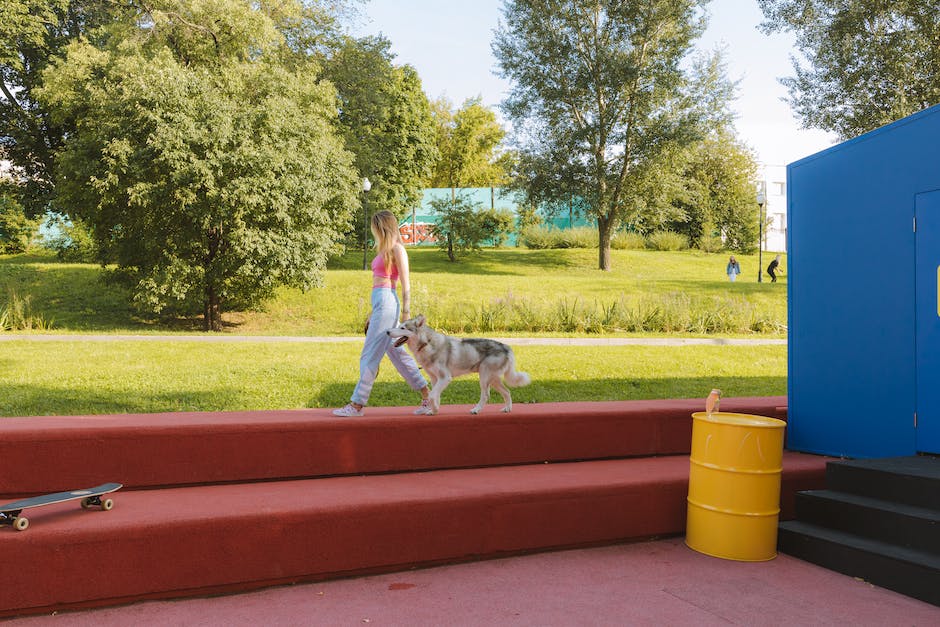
column 733, row 269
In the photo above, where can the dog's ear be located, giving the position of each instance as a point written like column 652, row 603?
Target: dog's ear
column 419, row 321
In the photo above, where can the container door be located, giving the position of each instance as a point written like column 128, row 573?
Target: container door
column 927, row 297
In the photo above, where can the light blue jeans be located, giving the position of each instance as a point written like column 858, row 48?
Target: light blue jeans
column 385, row 310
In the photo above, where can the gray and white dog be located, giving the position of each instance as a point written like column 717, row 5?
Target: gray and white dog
column 444, row 357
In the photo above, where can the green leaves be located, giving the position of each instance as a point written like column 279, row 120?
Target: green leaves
column 461, row 226
column 16, row 230
column 718, row 178
column 865, row 63
column 24, row 23
column 385, row 120
column 600, row 102
column 468, row 139
column 210, row 174
column 32, row 34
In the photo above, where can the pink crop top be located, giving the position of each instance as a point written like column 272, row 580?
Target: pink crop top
column 378, row 270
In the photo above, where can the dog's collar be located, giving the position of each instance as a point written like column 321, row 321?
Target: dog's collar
column 421, row 347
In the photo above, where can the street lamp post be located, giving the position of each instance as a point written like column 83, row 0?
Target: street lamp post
column 761, row 200
column 366, row 186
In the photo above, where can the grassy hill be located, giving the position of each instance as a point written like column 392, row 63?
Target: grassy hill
column 510, row 291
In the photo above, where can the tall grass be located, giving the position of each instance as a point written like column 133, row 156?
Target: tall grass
column 667, row 240
column 623, row 240
column 670, row 313
column 16, row 315
column 540, row 237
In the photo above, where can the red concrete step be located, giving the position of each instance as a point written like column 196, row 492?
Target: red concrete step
column 53, row 453
column 192, row 541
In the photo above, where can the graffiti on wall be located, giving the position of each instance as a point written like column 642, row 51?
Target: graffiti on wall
column 417, row 233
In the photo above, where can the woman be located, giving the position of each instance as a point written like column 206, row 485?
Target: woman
column 733, row 269
column 390, row 265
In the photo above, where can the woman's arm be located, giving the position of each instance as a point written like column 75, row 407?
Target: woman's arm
column 404, row 275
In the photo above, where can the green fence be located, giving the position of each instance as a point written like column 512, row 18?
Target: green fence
column 416, row 228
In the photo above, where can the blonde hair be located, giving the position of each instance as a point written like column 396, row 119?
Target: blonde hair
column 385, row 230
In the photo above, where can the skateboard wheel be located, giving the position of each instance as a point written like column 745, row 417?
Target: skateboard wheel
column 20, row 524
column 107, row 504
column 86, row 503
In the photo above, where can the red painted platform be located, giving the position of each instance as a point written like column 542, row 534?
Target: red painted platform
column 224, row 532
column 54, row 453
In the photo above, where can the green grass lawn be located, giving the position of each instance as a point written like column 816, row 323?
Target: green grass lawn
column 74, row 377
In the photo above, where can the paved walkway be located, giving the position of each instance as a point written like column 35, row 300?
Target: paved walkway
column 516, row 341
column 648, row 583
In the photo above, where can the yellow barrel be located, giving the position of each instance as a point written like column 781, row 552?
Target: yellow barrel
column 734, row 486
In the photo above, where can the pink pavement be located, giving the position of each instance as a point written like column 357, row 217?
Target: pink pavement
column 649, row 583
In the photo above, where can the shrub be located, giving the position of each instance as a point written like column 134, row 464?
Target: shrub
column 540, row 237
column 627, row 240
column 527, row 217
column 578, row 237
column 462, row 227
column 710, row 244
column 667, row 241
column 497, row 224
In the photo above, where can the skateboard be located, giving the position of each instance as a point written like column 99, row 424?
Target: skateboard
column 10, row 512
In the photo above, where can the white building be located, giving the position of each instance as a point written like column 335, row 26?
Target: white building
column 774, row 182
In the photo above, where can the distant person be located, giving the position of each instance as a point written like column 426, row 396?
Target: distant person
column 772, row 269
column 733, row 269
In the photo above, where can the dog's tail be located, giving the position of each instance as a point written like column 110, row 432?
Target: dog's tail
column 513, row 378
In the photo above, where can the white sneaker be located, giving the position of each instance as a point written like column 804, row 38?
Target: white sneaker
column 424, row 408
column 348, row 411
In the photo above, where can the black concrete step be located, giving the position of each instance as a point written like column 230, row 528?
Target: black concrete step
column 896, row 523
column 912, row 480
column 908, row 571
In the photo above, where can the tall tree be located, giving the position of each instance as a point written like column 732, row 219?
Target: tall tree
column 718, row 192
column 600, row 100
column 32, row 34
column 867, row 62
column 469, row 140
column 210, row 173
column 385, row 119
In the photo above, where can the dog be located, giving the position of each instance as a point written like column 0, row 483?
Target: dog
column 444, row 357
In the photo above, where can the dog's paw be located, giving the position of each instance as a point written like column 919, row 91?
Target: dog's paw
column 506, row 410
column 475, row 411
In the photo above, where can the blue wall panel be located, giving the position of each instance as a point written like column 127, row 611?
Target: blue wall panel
column 851, row 381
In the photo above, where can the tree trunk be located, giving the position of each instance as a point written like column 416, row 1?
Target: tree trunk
column 603, row 232
column 206, row 314
column 211, row 311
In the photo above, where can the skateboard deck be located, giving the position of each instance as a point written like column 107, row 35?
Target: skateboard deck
column 10, row 513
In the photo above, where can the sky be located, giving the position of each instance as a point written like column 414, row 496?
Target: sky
column 448, row 43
